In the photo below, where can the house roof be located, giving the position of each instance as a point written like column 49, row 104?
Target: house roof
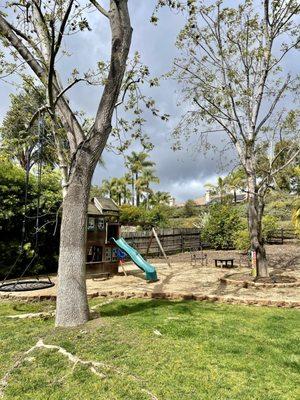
column 102, row 206
column 200, row 201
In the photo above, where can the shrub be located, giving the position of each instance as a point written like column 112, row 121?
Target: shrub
column 190, row 208
column 242, row 240
column 156, row 217
column 12, row 194
column 130, row 215
column 220, row 228
column 270, row 224
column 296, row 219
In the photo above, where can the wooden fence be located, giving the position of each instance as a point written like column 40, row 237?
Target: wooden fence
column 280, row 235
column 172, row 240
column 180, row 240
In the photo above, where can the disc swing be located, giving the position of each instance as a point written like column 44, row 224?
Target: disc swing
column 20, row 284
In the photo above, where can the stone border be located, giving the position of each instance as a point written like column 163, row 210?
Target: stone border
column 245, row 284
column 170, row 296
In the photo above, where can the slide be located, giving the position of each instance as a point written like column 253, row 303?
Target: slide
column 137, row 259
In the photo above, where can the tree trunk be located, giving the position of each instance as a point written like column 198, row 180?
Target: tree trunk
column 132, row 189
column 72, row 305
column 137, row 191
column 255, row 213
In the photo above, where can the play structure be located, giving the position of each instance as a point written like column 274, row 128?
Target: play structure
column 104, row 243
column 139, row 261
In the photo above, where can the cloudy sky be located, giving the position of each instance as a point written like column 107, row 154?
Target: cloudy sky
column 182, row 173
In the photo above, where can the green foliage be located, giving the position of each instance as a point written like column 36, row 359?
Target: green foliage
column 280, row 205
column 12, row 194
column 269, row 226
column 130, row 215
column 155, row 217
column 139, row 216
column 220, row 228
column 190, row 208
column 135, row 186
column 19, row 142
column 242, row 240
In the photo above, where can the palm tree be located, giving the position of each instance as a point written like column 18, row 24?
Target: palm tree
column 236, row 180
column 136, row 163
column 125, row 192
column 219, row 188
column 143, row 183
column 158, row 198
column 116, row 190
column 110, row 188
column 106, row 188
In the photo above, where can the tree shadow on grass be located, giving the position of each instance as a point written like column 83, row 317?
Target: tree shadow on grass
column 140, row 306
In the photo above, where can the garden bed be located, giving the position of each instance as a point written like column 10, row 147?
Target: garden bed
column 246, row 279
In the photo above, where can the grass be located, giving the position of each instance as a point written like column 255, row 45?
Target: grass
column 206, row 351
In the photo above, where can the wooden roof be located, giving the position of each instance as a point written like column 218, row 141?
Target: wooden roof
column 102, row 206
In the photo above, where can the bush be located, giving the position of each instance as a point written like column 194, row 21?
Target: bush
column 156, row 217
column 220, row 228
column 190, row 208
column 132, row 215
column 12, row 192
column 242, row 240
column 270, row 224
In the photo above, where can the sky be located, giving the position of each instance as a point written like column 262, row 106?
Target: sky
column 183, row 173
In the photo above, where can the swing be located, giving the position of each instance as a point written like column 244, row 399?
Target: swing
column 20, row 284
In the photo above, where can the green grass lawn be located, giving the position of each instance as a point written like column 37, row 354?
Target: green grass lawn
column 205, row 351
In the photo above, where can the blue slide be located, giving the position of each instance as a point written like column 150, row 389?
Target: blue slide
column 137, row 259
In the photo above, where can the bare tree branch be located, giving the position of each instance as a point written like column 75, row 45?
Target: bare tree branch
column 273, row 105
column 100, row 8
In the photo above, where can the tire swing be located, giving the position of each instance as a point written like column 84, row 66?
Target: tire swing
column 20, row 284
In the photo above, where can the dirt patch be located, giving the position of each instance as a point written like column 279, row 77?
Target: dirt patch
column 200, row 281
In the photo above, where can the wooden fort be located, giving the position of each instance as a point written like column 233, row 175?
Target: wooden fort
column 102, row 225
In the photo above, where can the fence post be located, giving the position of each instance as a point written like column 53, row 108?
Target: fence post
column 182, row 243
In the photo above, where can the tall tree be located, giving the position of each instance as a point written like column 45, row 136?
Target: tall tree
column 233, row 76
column 137, row 162
column 123, row 183
column 236, row 181
column 219, row 189
column 143, row 183
column 35, row 34
column 160, row 198
column 19, row 142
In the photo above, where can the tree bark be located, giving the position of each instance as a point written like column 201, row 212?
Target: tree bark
column 85, row 150
column 137, row 190
column 132, row 189
column 72, row 305
column 255, row 213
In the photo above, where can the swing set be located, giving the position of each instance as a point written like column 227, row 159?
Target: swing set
column 20, row 284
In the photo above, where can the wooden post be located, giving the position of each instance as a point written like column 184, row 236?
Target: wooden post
column 149, row 244
column 161, row 248
column 181, row 244
column 122, row 266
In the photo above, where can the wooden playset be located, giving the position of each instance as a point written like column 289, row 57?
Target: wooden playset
column 102, row 225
